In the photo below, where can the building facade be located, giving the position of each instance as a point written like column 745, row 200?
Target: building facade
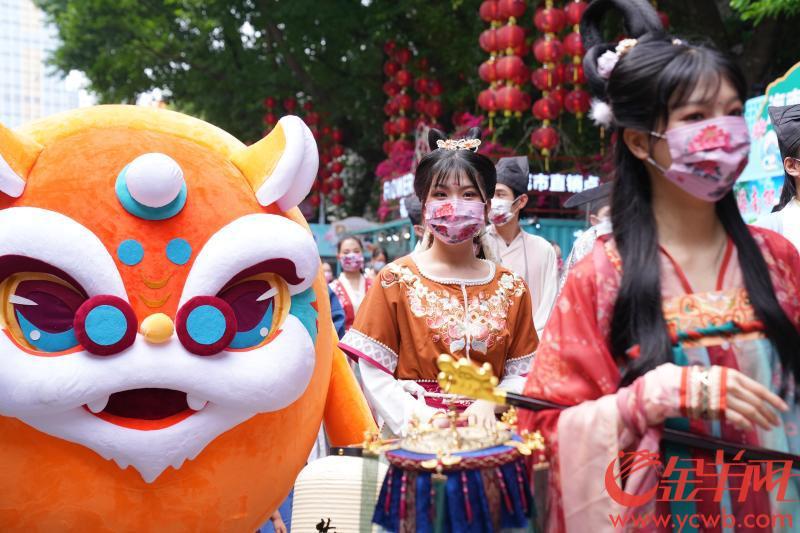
column 29, row 88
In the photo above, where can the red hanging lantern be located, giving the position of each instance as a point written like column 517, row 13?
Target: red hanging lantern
column 420, row 106
column 574, row 11
column 546, row 108
column 577, row 102
column 422, row 64
column 311, row 118
column 545, row 139
column 337, row 184
column 546, row 78
column 487, row 71
column 336, row 135
column 308, row 106
column 390, row 108
column 510, row 37
column 389, row 47
column 573, row 44
column 269, row 102
column 421, row 85
column 337, row 199
column 510, row 9
column 509, row 99
column 387, row 147
column 403, row 126
column 402, row 55
column 487, row 100
column 522, row 76
column 435, row 88
column 290, row 104
column 549, row 20
column 270, row 119
column 337, row 150
column 509, row 67
column 391, row 88
column 489, row 11
column 403, row 78
column 390, row 68
column 325, row 188
column 560, row 94
column 548, row 50
column 574, row 74
column 314, row 200
column 337, row 167
column 488, row 40
column 403, row 101
column 434, row 108
column 664, row 19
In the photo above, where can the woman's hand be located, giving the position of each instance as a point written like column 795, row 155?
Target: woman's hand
column 750, row 403
column 670, row 391
column 483, row 412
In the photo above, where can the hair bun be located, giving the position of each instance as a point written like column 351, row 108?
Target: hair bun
column 473, row 133
column 435, row 135
column 639, row 18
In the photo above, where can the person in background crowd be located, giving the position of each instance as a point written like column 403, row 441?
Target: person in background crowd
column 599, row 208
column 377, row 262
column 443, row 299
column 530, row 256
column 351, row 285
column 684, row 316
column 786, row 217
column 327, row 272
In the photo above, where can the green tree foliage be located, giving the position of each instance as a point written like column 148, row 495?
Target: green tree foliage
column 757, row 10
column 218, row 59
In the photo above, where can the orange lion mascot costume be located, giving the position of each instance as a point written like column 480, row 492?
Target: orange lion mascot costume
column 167, row 353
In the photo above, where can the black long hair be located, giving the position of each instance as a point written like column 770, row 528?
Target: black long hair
column 789, row 184
column 657, row 75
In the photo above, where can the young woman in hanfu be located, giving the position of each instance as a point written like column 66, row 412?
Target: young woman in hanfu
column 352, row 285
column 443, row 299
column 683, row 317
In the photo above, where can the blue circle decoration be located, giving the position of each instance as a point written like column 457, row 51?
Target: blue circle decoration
column 106, row 325
column 179, row 251
column 142, row 211
column 130, row 252
column 206, row 324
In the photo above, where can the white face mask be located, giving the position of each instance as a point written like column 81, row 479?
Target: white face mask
column 501, row 212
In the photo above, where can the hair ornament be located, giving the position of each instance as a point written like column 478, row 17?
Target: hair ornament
column 609, row 59
column 459, row 144
column 601, row 113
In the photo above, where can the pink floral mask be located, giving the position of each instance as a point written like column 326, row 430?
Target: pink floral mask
column 455, row 221
column 352, row 262
column 707, row 157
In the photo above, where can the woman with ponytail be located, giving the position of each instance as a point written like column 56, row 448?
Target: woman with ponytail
column 446, row 298
column 684, row 316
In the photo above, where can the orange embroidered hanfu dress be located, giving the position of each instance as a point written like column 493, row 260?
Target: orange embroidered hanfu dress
column 409, row 318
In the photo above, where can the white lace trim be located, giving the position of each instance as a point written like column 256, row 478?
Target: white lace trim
column 519, row 366
column 373, row 350
column 457, row 281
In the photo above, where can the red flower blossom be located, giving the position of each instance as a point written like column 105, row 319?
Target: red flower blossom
column 710, row 138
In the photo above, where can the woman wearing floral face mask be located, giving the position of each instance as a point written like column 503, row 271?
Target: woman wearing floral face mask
column 443, row 299
column 351, row 285
column 683, row 317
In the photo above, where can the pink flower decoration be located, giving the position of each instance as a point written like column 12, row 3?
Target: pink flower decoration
column 606, row 63
column 710, row 138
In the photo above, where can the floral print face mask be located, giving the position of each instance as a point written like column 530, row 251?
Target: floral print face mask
column 352, row 262
column 455, row 221
column 707, row 157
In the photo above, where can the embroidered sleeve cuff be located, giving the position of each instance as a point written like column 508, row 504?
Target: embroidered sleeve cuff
column 376, row 353
column 519, row 366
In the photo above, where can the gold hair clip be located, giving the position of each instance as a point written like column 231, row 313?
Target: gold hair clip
column 625, row 46
column 459, row 144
